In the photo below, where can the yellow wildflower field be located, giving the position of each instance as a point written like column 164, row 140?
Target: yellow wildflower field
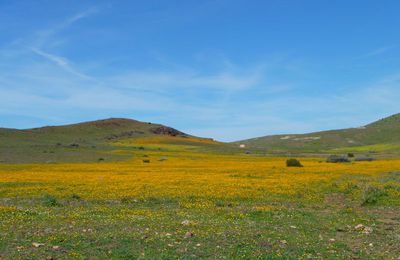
column 200, row 175
column 175, row 201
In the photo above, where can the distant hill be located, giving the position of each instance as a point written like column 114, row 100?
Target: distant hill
column 380, row 136
column 83, row 142
column 91, row 132
column 99, row 140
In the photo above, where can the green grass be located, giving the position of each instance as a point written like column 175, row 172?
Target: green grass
column 367, row 148
column 154, row 231
column 380, row 136
column 96, row 140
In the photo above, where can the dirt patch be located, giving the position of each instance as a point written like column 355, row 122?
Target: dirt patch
column 335, row 199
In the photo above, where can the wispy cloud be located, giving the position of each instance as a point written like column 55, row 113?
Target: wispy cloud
column 41, row 37
column 61, row 62
column 376, row 52
column 184, row 79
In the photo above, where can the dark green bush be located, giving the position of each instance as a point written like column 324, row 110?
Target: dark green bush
column 51, row 201
column 76, row 197
column 293, row 163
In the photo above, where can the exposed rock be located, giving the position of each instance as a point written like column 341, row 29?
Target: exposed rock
column 185, row 222
column 189, row 234
column 164, row 130
column 126, row 134
column 35, row 244
column 364, row 159
column 359, row 227
column 367, row 230
column 337, row 159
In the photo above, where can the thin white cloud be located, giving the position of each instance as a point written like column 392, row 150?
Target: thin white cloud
column 377, row 52
column 182, row 79
column 61, row 62
column 80, row 16
column 42, row 37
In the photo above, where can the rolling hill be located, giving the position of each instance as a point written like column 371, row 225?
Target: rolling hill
column 98, row 140
column 83, row 142
column 380, row 136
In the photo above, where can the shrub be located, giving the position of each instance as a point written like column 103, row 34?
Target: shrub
column 371, row 195
column 49, row 200
column 350, row 155
column 146, row 161
column 76, row 197
column 293, row 163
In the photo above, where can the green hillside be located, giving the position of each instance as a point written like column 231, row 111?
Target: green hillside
column 380, row 136
column 98, row 140
column 83, row 142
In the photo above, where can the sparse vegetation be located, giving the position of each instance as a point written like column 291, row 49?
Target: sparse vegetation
column 51, row 201
column 372, row 194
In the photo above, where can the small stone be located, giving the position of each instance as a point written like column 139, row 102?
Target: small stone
column 168, row 234
column 35, row 244
column 332, row 240
column 198, row 245
column 294, row 227
column 367, row 230
column 56, row 248
column 359, row 227
column 371, row 245
column 283, row 242
column 189, row 234
column 185, row 222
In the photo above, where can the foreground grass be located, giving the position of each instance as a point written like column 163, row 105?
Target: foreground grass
column 191, row 204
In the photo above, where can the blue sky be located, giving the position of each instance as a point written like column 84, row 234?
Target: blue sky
column 227, row 69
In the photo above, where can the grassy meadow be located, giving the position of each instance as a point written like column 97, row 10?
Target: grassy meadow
column 175, row 200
